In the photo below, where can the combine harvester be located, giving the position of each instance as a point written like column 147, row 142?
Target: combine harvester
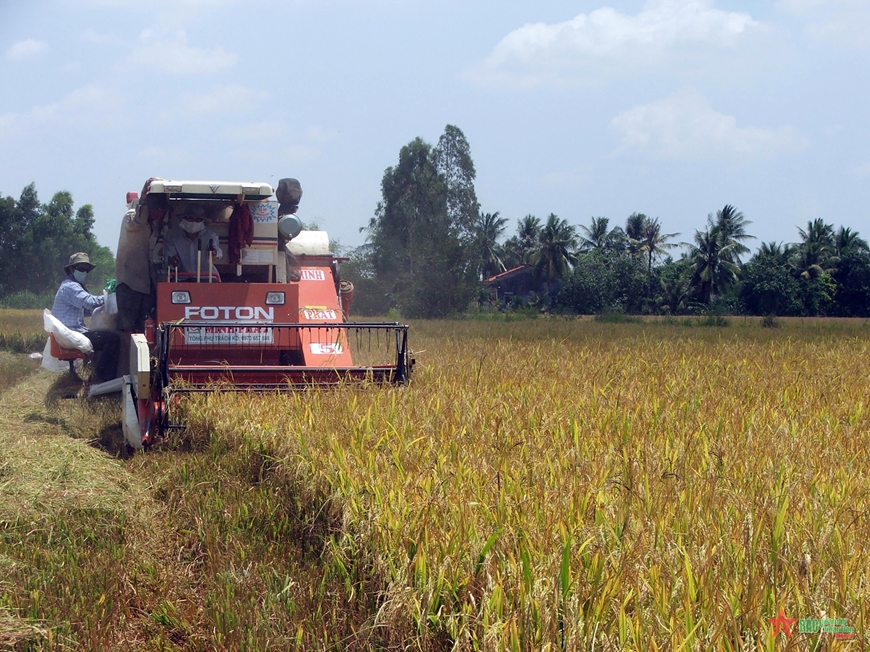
column 270, row 315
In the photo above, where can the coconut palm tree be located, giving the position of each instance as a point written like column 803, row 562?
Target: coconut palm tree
column 847, row 241
column 488, row 230
column 518, row 247
column 528, row 230
column 554, row 254
column 634, row 227
column 713, row 266
column 732, row 224
column 816, row 254
column 716, row 253
column 773, row 250
column 599, row 237
column 653, row 243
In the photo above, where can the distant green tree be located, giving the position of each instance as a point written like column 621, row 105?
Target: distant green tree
column 853, row 283
column 598, row 236
column 712, row 266
column 818, row 295
column 452, row 159
column 848, row 241
column 419, row 254
column 370, row 298
column 673, row 295
column 487, row 231
column 634, row 228
column 769, row 285
column 652, row 244
column 816, row 254
column 604, row 281
column 731, row 226
column 715, row 255
column 37, row 240
column 84, row 222
column 591, row 287
column 555, row 252
column 519, row 247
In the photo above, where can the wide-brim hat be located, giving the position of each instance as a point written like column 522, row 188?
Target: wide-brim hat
column 78, row 259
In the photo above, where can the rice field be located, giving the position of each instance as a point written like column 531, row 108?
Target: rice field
column 580, row 485
column 546, row 484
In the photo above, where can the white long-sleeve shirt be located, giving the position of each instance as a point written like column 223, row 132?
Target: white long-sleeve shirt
column 179, row 244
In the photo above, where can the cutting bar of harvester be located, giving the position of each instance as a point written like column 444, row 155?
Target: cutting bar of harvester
column 203, row 356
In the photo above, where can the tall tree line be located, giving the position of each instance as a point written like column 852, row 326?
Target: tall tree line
column 37, row 239
column 430, row 249
column 418, row 258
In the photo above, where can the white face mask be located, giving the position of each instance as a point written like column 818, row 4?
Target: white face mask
column 192, row 227
column 80, row 276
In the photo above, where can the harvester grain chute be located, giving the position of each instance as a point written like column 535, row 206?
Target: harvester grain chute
column 271, row 316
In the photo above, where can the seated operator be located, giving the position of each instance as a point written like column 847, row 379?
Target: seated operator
column 190, row 237
column 72, row 302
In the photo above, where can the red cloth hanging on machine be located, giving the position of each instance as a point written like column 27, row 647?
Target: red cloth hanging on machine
column 241, row 232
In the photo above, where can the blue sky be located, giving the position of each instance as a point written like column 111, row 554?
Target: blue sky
column 585, row 108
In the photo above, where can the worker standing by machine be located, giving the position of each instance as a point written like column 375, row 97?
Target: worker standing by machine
column 136, row 279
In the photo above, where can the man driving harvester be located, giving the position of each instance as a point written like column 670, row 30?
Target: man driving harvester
column 191, row 245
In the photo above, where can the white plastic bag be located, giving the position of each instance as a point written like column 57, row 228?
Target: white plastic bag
column 66, row 337
column 111, row 302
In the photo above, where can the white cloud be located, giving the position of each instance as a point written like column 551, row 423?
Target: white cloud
column 841, row 22
column 541, row 53
column 170, row 54
column 26, row 49
column 225, row 98
column 91, row 106
column 685, row 127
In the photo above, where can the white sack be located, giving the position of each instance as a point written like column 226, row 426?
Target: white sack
column 66, row 337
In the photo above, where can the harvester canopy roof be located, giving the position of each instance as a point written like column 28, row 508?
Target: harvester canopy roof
column 187, row 189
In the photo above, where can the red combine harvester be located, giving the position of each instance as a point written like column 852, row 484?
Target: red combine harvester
column 272, row 315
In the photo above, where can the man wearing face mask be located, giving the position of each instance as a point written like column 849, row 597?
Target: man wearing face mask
column 72, row 302
column 190, row 237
